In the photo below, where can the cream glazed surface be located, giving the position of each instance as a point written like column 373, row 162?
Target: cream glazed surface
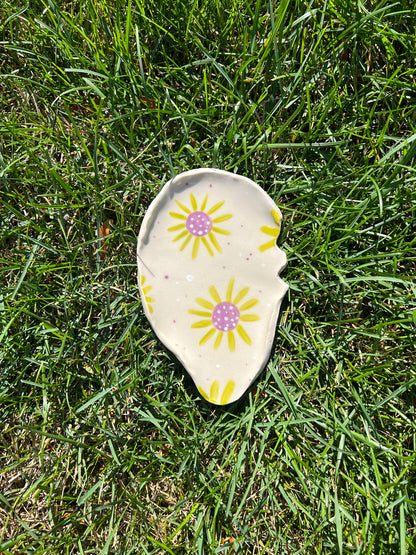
column 209, row 280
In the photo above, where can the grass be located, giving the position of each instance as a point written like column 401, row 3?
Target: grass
column 105, row 445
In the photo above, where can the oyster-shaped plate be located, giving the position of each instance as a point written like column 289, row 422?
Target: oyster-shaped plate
column 208, row 274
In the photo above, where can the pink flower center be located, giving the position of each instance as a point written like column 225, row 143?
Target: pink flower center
column 225, row 316
column 198, row 223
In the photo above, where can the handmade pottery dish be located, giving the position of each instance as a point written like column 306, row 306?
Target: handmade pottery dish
column 208, row 274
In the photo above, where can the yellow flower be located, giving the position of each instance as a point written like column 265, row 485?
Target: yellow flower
column 224, row 317
column 213, row 392
column 145, row 290
column 198, row 225
column 271, row 231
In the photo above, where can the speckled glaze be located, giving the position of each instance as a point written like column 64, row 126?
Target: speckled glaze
column 209, row 277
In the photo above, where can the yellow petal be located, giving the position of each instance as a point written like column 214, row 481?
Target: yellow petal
column 204, row 203
column 202, row 392
column 177, row 227
column 193, row 202
column 273, row 231
column 206, row 244
column 187, row 240
column 178, row 216
column 213, row 394
column 214, row 241
column 229, row 293
column 199, row 313
column 218, row 339
column 195, row 248
column 214, row 294
column 207, row 336
column 202, row 324
column 204, row 303
column 248, row 304
column 215, row 207
column 241, row 295
column 249, row 317
column 268, row 245
column 223, row 218
column 184, row 208
column 226, row 394
column 231, row 341
column 243, row 334
column 185, row 232
column 220, row 230
column 276, row 217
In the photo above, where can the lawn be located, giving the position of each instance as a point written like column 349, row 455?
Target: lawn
column 106, row 446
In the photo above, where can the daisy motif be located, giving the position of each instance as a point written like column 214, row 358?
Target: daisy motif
column 225, row 316
column 271, row 231
column 212, row 397
column 197, row 225
column 145, row 290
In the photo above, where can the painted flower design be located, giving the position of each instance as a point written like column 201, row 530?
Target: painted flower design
column 223, row 317
column 212, row 397
column 198, row 226
column 271, row 231
column 146, row 290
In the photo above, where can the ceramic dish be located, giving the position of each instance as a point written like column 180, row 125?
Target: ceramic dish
column 208, row 274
